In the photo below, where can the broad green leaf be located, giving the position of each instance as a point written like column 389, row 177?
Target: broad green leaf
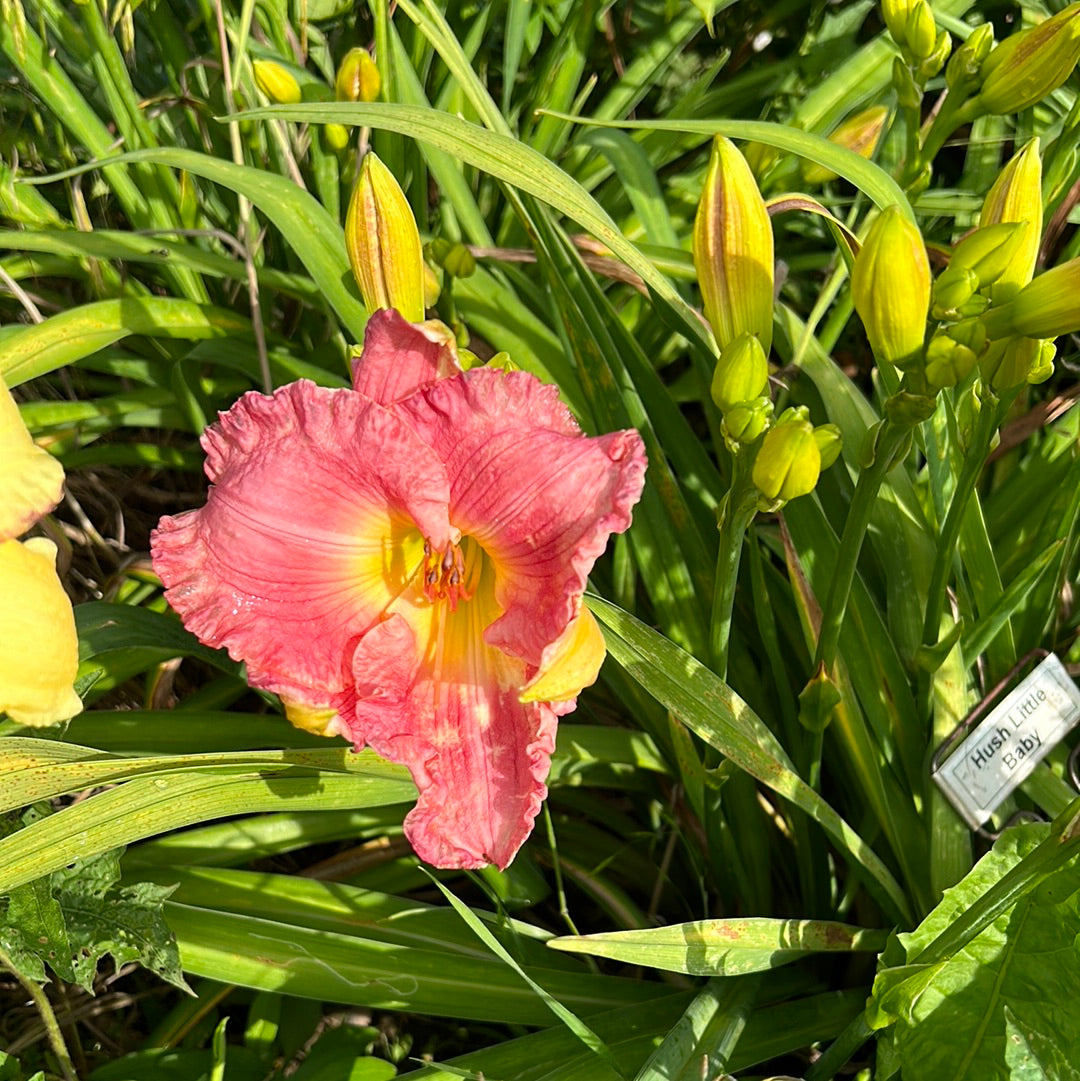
column 340, row 966
column 1025, row 960
column 713, row 711
column 1031, row 1055
column 78, row 332
column 728, row 947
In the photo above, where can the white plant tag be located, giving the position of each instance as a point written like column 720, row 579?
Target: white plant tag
column 1010, row 741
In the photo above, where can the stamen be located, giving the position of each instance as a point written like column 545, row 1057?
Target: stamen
column 444, row 575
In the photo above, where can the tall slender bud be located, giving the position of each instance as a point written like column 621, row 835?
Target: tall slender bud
column 733, row 249
column 1046, row 307
column 859, row 133
column 890, row 286
column 1030, row 64
column 276, row 82
column 383, row 243
column 358, row 77
column 1016, row 195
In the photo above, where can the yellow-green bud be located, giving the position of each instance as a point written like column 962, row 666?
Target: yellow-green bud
column 1046, row 307
column 1016, row 195
column 1030, row 64
column 953, row 288
column 789, row 461
column 929, row 67
column 965, row 65
column 358, row 77
column 829, row 441
column 453, row 257
column 741, row 374
column 383, row 243
column 746, row 421
column 908, row 95
column 1010, row 363
column 895, row 13
column 920, row 32
column 948, row 362
column 890, row 287
column 276, row 82
column 336, row 137
column 733, row 249
column 859, row 133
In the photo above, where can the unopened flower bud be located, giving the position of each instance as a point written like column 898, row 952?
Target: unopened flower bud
column 908, row 95
column 890, row 287
column 829, row 441
column 895, row 13
column 964, row 67
column 733, row 249
column 276, row 82
column 741, row 374
column 745, row 422
column 1016, row 196
column 358, row 77
column 948, row 362
column 920, row 33
column 859, row 133
column 1030, row 64
column 954, row 287
column 1046, row 307
column 789, row 461
column 453, row 257
column 1009, row 364
column 383, row 243
column 336, row 137
column 929, row 67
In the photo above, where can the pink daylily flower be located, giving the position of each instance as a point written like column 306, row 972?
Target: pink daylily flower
column 408, row 555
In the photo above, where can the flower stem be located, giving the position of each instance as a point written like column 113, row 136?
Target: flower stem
column 890, row 439
column 48, row 1018
column 974, row 460
column 738, row 513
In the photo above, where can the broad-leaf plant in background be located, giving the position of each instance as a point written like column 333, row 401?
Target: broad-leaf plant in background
column 430, row 283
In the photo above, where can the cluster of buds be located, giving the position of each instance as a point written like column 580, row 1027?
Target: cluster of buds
column 911, row 25
column 733, row 254
column 357, row 79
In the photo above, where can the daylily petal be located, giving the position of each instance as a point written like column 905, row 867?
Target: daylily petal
column 40, row 655
column 434, row 696
column 399, row 357
column 31, row 479
column 539, row 496
column 571, row 663
column 321, row 503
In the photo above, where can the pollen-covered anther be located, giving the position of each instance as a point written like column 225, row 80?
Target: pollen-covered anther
column 444, row 575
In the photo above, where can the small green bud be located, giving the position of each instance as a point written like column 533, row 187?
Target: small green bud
column 1008, row 364
column 896, row 14
column 789, row 462
column 383, row 243
column 741, row 373
column 829, row 441
column 954, row 287
column 432, row 287
column 890, row 287
column 1030, row 64
column 982, row 257
column 929, row 67
column 358, row 77
column 743, row 423
column 276, row 82
column 859, row 133
column 968, row 406
column 1016, row 196
column 948, row 362
column 733, row 249
column 963, row 70
column 908, row 94
column 336, row 137
column 501, row 362
column 453, row 257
